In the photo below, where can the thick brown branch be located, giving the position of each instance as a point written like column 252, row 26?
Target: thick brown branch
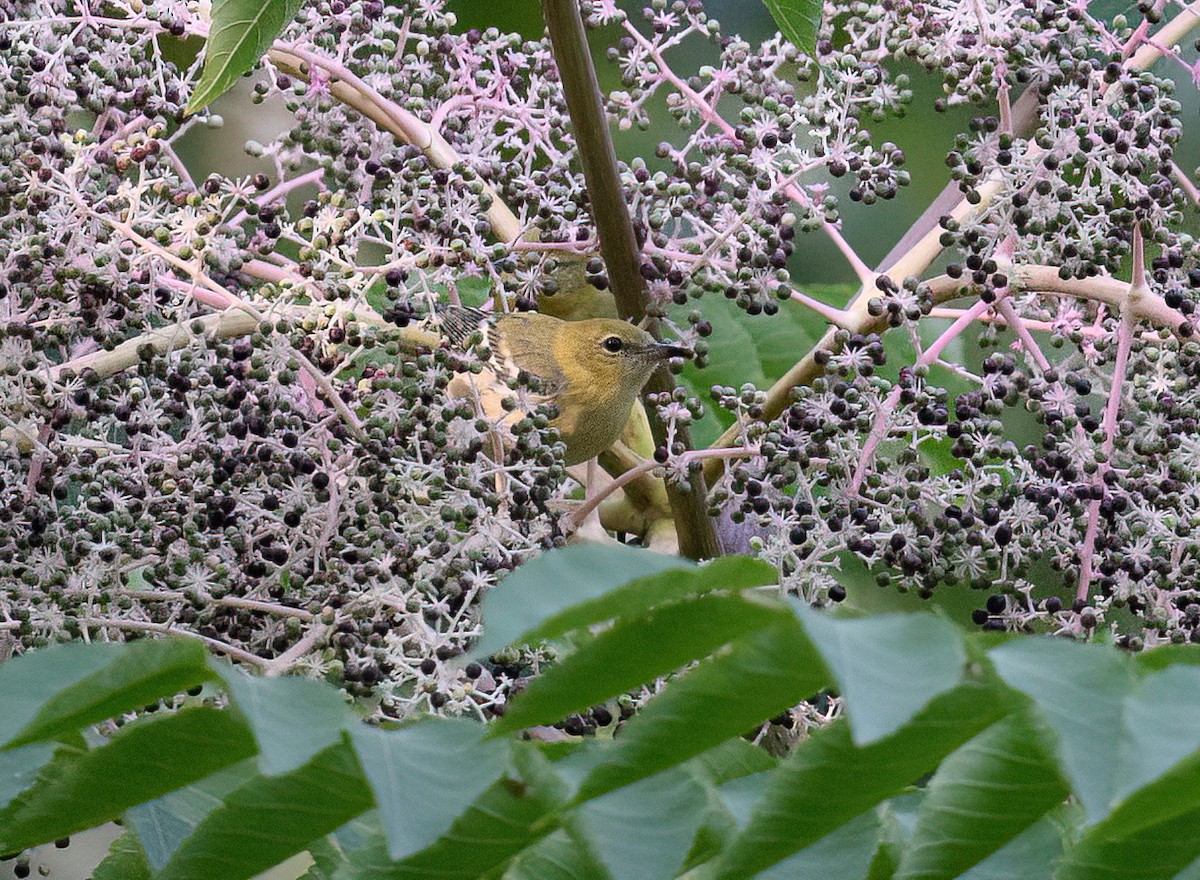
column 618, row 243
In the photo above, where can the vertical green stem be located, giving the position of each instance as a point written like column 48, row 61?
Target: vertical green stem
column 618, row 244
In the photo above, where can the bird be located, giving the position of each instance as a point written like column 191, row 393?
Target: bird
column 591, row 370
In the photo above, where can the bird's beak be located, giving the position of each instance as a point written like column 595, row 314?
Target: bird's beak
column 666, row 350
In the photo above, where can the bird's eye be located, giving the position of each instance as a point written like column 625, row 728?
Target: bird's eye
column 614, row 344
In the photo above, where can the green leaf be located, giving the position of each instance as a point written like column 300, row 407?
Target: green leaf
column 846, row 853
column 1159, row 776
column 897, row 821
column 580, row 586
column 1167, row 655
column 722, row 697
column 557, row 857
column 510, row 817
column 1158, row 852
column 28, row 681
column 241, row 32
column 638, row 650
column 80, row 790
column 741, row 796
column 755, row 349
column 71, row 687
column 716, row 829
column 733, row 759
column 162, row 825
column 1191, row 872
column 292, row 718
column 983, row 796
column 327, row 859
column 125, row 861
column 425, row 775
column 782, row 337
column 1130, row 746
column 1080, row 691
column 1033, row 855
column 889, row 666
column 542, row 597
column 19, row 769
column 644, row 829
column 798, row 20
column 271, row 818
column 828, row 779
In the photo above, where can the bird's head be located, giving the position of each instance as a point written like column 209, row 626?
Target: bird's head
column 613, row 353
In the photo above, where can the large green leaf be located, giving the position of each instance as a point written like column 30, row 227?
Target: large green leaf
column 1160, row 775
column 983, row 796
column 557, row 857
column 1191, row 872
column 1131, row 747
column 724, row 696
column 755, row 349
column 1166, row 655
column 549, row 595
column 644, row 829
column 798, row 20
column 426, row 775
column 240, row 33
column 292, row 718
column 327, row 858
column 740, row 796
column 733, row 759
column 54, row 692
column 638, row 650
column 163, row 824
column 19, row 769
column 271, row 818
column 82, row 789
column 828, row 779
column 1158, row 852
column 1033, row 855
column 897, row 822
column 511, row 816
column 845, row 854
column 889, row 667
column 28, row 681
column 125, row 861
column 1080, row 691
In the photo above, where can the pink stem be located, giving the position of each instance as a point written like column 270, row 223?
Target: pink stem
column 1018, row 324
column 580, row 515
column 1111, row 409
column 200, row 294
column 1028, row 323
column 837, row 317
column 883, row 415
column 415, row 131
column 282, row 189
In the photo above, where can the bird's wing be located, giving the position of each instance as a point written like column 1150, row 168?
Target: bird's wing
column 461, row 325
column 520, row 347
column 522, row 343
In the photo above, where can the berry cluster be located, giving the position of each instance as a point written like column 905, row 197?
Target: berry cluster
column 221, row 417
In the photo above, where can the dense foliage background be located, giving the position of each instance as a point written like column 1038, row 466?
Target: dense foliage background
column 225, row 418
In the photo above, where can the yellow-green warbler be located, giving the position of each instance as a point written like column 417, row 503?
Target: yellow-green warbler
column 592, row 371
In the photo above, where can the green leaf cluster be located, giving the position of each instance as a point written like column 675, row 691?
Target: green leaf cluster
column 955, row 756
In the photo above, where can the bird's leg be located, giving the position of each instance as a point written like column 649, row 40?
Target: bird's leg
column 589, row 476
column 590, row 487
